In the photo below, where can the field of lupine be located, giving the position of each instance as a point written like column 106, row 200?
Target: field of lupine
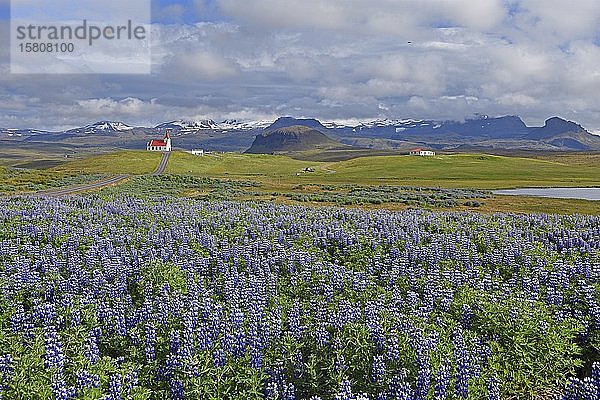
column 130, row 298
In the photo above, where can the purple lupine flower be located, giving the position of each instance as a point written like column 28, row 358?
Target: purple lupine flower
column 6, row 371
column 76, row 317
column 574, row 390
column 86, row 380
column 17, row 319
column 150, row 342
column 398, row 389
column 6, row 366
column 321, row 335
column 424, row 374
column 289, row 391
column 177, row 390
column 378, row 369
column 131, row 382
column 493, row 389
column 295, row 326
column 115, row 387
column 461, row 356
column 219, row 357
column 392, row 347
column 54, row 353
column 239, row 343
column 596, row 374
column 174, row 342
column 345, row 391
column 256, row 360
column 298, row 361
column 442, row 382
column 59, row 389
column 92, row 351
column 467, row 316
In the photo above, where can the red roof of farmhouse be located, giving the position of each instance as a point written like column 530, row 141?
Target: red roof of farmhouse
column 160, row 143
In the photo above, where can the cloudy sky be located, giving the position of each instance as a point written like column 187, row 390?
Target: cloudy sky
column 335, row 60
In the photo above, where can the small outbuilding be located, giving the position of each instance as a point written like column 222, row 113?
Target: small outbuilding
column 422, row 152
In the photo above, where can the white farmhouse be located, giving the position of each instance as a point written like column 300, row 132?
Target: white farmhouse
column 160, row 145
column 197, row 152
column 422, row 152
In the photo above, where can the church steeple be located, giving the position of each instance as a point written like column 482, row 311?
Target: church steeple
column 168, row 140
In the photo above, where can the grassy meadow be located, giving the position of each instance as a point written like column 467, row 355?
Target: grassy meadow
column 124, row 162
column 279, row 178
column 452, row 171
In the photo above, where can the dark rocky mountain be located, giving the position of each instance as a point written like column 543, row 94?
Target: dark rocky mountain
column 507, row 132
column 498, row 128
column 291, row 138
column 482, row 132
column 553, row 127
column 284, row 122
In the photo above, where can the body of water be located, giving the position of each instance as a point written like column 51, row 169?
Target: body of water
column 558, row 193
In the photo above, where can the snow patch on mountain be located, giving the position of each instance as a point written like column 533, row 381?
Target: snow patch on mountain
column 234, row 124
column 107, row 126
column 186, row 126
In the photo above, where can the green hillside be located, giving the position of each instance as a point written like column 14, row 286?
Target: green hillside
column 231, row 165
column 123, row 162
column 463, row 170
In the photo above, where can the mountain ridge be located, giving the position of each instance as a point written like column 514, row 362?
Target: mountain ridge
column 502, row 133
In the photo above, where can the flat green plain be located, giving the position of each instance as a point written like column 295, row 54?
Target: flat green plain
column 123, row 162
column 453, row 171
column 284, row 174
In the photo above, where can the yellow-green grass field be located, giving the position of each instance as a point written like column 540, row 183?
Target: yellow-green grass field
column 466, row 171
column 460, row 170
column 284, row 174
column 124, row 162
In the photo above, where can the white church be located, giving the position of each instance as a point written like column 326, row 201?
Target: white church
column 160, row 145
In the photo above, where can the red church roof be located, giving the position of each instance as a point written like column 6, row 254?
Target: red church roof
column 158, row 143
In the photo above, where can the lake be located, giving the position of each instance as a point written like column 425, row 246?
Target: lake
column 559, row 193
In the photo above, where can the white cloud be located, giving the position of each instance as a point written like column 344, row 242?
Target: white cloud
column 202, row 66
column 345, row 59
column 516, row 99
column 479, row 15
column 559, row 20
column 173, row 11
column 107, row 107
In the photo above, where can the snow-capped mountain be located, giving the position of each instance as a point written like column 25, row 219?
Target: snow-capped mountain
column 10, row 132
column 102, row 127
column 234, row 124
column 399, row 125
column 504, row 132
column 186, row 126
